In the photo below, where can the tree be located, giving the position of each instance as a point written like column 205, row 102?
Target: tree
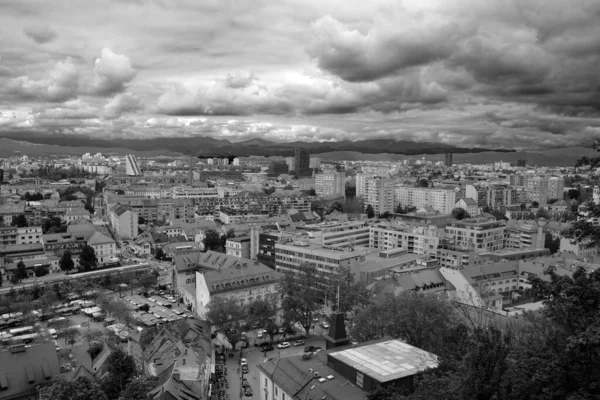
column 263, row 313
column 19, row 221
column 87, row 258
column 288, row 187
column 159, row 254
column 227, row 315
column 81, row 388
column 552, row 243
column 141, row 220
column 212, row 239
column 422, row 183
column 573, row 194
column 70, row 335
column 534, row 204
column 460, row 214
column 121, row 370
column 41, row 270
column 370, row 212
column 21, row 271
column 348, row 295
column 66, row 262
column 335, row 206
column 139, row 388
column 405, row 210
column 350, row 191
column 300, row 298
column 269, row 190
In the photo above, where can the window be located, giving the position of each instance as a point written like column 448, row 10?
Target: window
column 359, row 379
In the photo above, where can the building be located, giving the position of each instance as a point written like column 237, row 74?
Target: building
column 236, row 278
column 262, row 246
column 131, row 166
column 238, row 247
column 123, row 221
column 556, row 187
column 416, row 239
column 302, row 163
column 343, row 373
column 469, row 205
column 57, row 244
column 361, row 184
column 501, row 196
column 441, row 200
column 476, row 234
column 25, row 235
column 337, row 234
column 331, row 183
column 27, row 370
column 537, row 190
column 291, row 254
column 232, row 216
column 74, row 214
column 380, row 264
column 458, row 259
column 380, row 195
column 278, row 168
column 448, row 160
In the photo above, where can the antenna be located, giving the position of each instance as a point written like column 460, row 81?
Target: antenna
column 338, row 297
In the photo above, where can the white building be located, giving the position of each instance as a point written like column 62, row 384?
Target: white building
column 131, row 166
column 330, row 183
column 123, row 221
column 380, row 195
column 361, row 184
column 442, row 200
column 476, row 234
column 469, row 205
column 416, row 239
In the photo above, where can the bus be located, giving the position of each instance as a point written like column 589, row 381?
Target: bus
column 24, row 339
column 21, row 331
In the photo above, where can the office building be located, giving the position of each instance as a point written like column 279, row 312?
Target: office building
column 448, row 160
column 131, row 166
column 476, row 234
column 442, row 200
column 302, row 163
column 338, row 234
column 332, row 183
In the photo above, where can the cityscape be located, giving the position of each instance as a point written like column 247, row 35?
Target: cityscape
column 299, row 201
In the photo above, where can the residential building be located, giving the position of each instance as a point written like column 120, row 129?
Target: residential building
column 57, row 243
column 476, row 234
column 469, row 205
column 537, row 190
column 556, row 187
column 332, row 183
column 361, row 184
column 123, row 221
column 416, row 239
column 337, row 234
column 236, row 278
column 131, row 166
column 440, row 199
column 25, row 371
column 25, row 235
column 501, row 196
column 74, row 214
column 380, row 195
column 229, row 216
column 587, row 250
column 448, row 160
column 458, row 259
column 238, row 247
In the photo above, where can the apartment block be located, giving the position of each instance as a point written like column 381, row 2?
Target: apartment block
column 476, row 234
column 442, row 200
column 337, row 234
column 361, row 183
column 123, row 221
column 380, row 195
column 333, row 183
column 415, row 239
column 26, row 235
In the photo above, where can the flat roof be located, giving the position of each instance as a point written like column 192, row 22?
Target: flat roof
column 320, row 250
column 374, row 263
column 387, row 361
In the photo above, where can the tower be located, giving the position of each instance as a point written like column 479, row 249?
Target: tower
column 302, row 162
column 191, row 173
column 337, row 332
column 448, row 160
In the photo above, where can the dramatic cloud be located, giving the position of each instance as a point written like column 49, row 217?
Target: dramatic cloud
column 507, row 74
column 112, row 73
column 40, row 34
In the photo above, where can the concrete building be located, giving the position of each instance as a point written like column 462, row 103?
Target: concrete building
column 416, row 239
column 448, row 160
column 442, row 200
column 327, row 260
column 458, row 259
column 131, row 166
column 25, row 235
column 380, row 195
column 476, row 234
column 236, row 278
column 379, row 264
column 302, row 163
column 469, row 205
column 556, row 187
column 361, row 184
column 332, row 183
column 537, row 190
column 338, row 234
column 238, row 247
column 123, row 221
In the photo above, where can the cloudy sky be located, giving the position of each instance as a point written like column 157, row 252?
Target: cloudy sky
column 519, row 74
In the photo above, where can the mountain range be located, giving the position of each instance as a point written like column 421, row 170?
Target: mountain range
column 211, row 147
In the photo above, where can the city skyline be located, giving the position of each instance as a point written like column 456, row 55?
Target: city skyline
column 506, row 75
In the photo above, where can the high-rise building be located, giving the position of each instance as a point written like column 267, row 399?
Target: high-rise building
column 236, row 162
column 302, row 163
column 361, row 184
column 1, row 175
column 330, row 183
column 448, row 160
column 556, row 187
column 290, row 162
column 442, row 200
column 380, row 195
column 537, row 190
column 315, row 163
column 131, row 166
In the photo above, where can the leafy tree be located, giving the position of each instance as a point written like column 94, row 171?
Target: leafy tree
column 227, row 315
column 66, row 262
column 534, row 204
column 121, row 370
column 159, row 254
column 552, row 243
column 573, row 194
column 370, row 212
column 405, row 210
column 269, row 190
column 212, row 240
column 348, row 295
column 87, row 258
column 141, row 220
column 263, row 313
column 542, row 213
column 53, row 225
column 300, row 298
column 350, row 191
column 139, row 388
column 19, row 221
column 460, row 214
column 288, row 187
column 422, row 183
column 21, row 271
column 81, row 388
column 70, row 335
column 335, row 206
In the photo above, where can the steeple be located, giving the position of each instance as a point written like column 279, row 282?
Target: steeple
column 337, row 332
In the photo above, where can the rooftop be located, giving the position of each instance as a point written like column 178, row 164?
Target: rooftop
column 320, row 250
column 387, row 361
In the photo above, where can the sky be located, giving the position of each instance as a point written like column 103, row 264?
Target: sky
column 509, row 74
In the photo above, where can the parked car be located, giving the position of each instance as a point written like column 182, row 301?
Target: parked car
column 243, row 361
column 299, row 343
column 284, row 345
column 259, row 335
column 309, row 349
column 325, row 325
column 268, row 347
column 248, row 391
column 245, row 382
column 244, row 368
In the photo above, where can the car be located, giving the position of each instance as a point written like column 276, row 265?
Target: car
column 299, row 343
column 243, row 361
column 259, row 335
column 268, row 347
column 248, row 391
column 283, row 345
column 245, row 382
column 315, row 319
column 244, row 368
column 325, row 325
column 309, row 349
column 264, row 331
